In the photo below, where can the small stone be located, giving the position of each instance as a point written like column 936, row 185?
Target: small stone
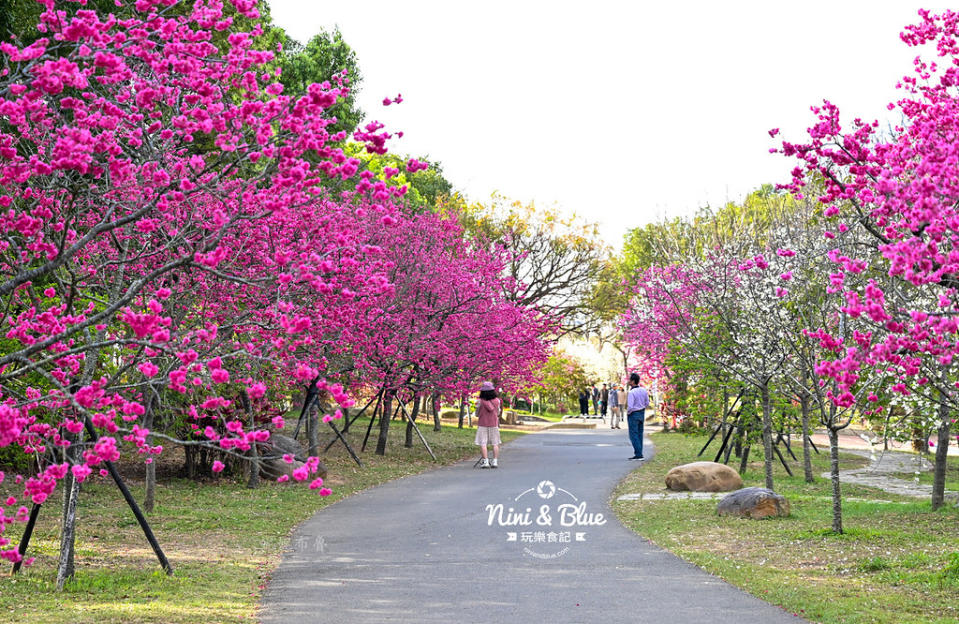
column 703, row 477
column 753, row 502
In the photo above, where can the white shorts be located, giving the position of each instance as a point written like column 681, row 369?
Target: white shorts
column 487, row 435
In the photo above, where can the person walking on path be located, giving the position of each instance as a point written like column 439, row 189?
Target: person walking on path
column 595, row 400
column 636, row 403
column 584, row 395
column 621, row 398
column 603, row 401
column 487, row 425
column 613, row 407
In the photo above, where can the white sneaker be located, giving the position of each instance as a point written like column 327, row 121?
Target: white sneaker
column 493, row 463
column 484, row 463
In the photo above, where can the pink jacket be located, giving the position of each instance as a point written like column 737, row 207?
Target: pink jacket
column 488, row 413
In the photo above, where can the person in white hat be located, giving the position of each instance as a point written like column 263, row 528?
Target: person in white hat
column 487, row 427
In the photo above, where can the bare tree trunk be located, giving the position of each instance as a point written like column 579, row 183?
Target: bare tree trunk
column 806, row 446
column 150, row 487
column 150, row 480
column 437, row 424
column 942, row 451
column 385, row 423
column 68, row 533
column 834, row 476
column 71, row 487
column 462, row 411
column 312, row 429
column 254, row 478
column 707, row 423
column 67, row 486
column 189, row 461
column 767, row 436
column 920, row 440
column 68, row 525
column 744, row 459
column 408, row 443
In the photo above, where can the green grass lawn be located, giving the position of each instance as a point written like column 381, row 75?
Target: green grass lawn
column 897, row 561
column 222, row 539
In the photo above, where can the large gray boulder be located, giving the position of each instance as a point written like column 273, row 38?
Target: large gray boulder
column 280, row 444
column 274, row 466
column 753, row 502
column 703, row 477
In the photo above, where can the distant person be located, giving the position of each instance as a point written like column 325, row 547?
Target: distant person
column 637, row 400
column 584, row 396
column 595, row 400
column 621, row 399
column 487, row 425
column 613, row 407
column 603, row 401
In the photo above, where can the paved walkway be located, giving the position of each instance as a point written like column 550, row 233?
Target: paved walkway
column 421, row 549
column 858, row 439
column 884, row 464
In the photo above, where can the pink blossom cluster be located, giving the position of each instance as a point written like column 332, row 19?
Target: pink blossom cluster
column 900, row 190
column 663, row 309
column 170, row 241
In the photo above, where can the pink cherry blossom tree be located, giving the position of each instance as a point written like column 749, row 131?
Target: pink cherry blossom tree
column 448, row 321
column 900, row 189
column 129, row 253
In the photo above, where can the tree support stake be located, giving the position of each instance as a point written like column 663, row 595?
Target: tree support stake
column 27, row 534
column 147, row 531
column 417, row 430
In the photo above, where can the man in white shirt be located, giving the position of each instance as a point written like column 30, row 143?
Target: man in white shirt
column 637, row 400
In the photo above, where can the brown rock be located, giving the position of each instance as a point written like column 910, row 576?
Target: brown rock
column 753, row 502
column 703, row 477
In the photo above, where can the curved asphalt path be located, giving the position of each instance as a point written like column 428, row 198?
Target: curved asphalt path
column 419, row 549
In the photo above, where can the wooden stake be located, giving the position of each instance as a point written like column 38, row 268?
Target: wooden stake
column 417, row 430
column 27, row 534
column 144, row 525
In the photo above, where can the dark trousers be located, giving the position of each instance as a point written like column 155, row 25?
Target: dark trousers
column 635, row 421
column 602, row 407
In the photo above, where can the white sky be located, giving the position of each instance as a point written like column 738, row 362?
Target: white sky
column 619, row 112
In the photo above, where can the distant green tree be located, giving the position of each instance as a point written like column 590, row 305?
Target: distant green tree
column 554, row 260
column 18, row 18
column 609, row 297
column 324, row 56
column 428, row 188
column 560, row 379
column 679, row 237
